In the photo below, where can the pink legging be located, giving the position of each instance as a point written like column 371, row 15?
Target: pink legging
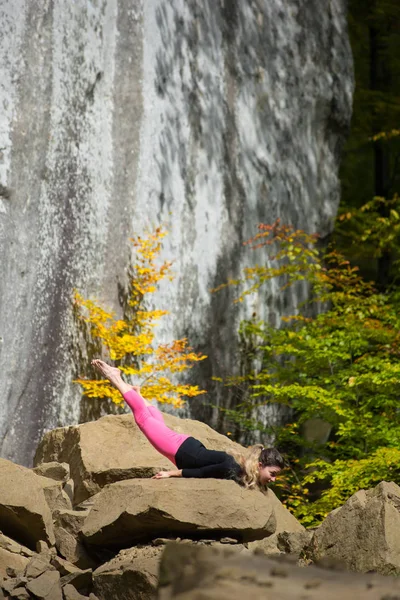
column 150, row 421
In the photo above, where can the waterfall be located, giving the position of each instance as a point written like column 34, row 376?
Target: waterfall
column 117, row 115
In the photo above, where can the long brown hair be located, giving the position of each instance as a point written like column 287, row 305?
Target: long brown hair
column 250, row 460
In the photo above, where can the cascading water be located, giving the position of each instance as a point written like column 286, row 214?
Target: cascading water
column 208, row 117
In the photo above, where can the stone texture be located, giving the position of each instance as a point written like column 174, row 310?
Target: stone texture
column 140, row 509
column 69, row 489
column 8, row 544
column 54, row 493
column 10, row 584
column 46, row 586
column 209, row 118
column 24, row 513
column 203, row 573
column 53, row 470
column 67, row 526
column 12, row 560
column 131, row 575
column 64, row 567
column 70, row 593
column 364, row 532
column 128, row 455
column 20, row 593
column 294, row 543
column 37, row 566
column 81, row 580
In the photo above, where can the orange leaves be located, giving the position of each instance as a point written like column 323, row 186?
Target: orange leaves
column 131, row 340
column 276, row 232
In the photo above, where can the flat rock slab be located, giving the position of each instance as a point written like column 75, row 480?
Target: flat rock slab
column 136, row 510
column 365, row 532
column 204, row 573
column 24, row 513
column 113, row 449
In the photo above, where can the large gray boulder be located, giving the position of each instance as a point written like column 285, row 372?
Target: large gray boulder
column 365, row 532
column 201, row 573
column 24, row 513
column 113, row 448
column 136, row 510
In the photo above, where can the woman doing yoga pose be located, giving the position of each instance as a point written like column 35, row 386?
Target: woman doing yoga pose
column 255, row 469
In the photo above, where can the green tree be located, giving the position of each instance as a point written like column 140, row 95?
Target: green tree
column 341, row 366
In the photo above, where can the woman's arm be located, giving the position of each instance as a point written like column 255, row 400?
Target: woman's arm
column 165, row 474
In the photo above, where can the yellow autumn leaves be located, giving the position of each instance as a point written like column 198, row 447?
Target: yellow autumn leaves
column 130, row 341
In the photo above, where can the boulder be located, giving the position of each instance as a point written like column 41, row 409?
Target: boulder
column 67, row 525
column 8, row 544
column 195, row 572
column 15, row 587
column 12, row 556
column 20, row 593
column 53, row 470
column 24, row 513
column 285, row 521
column 141, row 509
column 55, row 495
column 70, row 593
column 37, row 566
column 81, row 581
column 131, row 575
column 113, row 449
column 11, row 560
column 364, row 532
column 46, row 586
column 295, row 543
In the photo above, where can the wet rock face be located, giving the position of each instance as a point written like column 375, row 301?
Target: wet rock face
column 117, row 114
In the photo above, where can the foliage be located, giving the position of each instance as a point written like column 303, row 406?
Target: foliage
column 370, row 233
column 341, row 366
column 371, row 158
column 130, row 341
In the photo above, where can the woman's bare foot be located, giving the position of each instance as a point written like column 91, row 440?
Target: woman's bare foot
column 111, row 373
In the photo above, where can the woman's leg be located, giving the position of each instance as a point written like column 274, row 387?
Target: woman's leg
column 165, row 440
column 157, row 414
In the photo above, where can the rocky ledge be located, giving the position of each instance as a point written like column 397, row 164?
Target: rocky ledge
column 89, row 522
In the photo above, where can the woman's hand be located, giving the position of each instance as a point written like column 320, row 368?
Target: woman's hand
column 162, row 475
column 165, row 474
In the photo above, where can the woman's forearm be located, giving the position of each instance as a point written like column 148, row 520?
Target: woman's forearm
column 175, row 473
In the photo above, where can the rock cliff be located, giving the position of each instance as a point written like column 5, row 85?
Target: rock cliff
column 120, row 114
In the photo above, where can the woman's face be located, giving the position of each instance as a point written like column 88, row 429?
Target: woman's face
column 268, row 474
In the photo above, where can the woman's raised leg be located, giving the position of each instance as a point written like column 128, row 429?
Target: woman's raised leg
column 165, row 440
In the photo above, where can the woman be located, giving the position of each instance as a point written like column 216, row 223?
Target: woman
column 192, row 459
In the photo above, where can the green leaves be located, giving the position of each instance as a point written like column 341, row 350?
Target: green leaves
column 342, row 367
